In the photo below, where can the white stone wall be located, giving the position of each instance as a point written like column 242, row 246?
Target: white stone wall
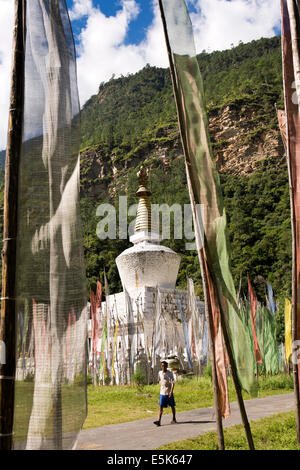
column 140, row 332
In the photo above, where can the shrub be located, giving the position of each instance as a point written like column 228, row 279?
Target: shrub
column 139, row 379
column 208, row 371
column 107, row 380
column 274, row 382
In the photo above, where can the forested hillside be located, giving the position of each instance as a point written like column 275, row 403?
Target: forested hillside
column 133, row 120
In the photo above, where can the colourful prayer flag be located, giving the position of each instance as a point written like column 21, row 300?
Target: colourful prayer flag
column 291, row 82
column 205, row 191
column 115, row 341
column 281, row 116
column 185, row 333
column 288, row 330
column 253, row 307
column 104, row 336
column 98, row 295
column 271, row 302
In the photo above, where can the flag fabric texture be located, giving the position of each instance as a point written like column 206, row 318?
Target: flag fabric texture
column 204, row 187
column 281, row 116
column 292, row 108
column 272, row 304
column 50, row 262
column 288, row 330
column 114, row 349
column 253, row 307
column 102, row 369
column 93, row 325
column 186, row 335
column 266, row 336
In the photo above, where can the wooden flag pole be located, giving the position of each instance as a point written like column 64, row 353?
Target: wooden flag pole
column 296, row 63
column 220, row 432
column 207, row 301
column 237, row 386
column 8, row 299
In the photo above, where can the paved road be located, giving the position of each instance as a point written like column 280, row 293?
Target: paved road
column 144, row 435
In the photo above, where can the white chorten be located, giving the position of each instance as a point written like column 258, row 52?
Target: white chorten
column 150, row 319
column 147, row 263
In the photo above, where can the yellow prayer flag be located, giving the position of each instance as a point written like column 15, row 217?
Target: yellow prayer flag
column 113, row 360
column 288, row 329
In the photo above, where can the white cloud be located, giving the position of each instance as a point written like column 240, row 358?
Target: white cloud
column 81, row 8
column 6, row 29
column 153, row 47
column 220, row 23
column 103, row 51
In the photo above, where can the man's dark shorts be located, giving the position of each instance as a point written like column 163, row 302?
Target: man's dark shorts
column 165, row 401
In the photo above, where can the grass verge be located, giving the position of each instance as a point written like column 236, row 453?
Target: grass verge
column 277, row 432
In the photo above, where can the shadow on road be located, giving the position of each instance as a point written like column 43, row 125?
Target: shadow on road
column 194, row 422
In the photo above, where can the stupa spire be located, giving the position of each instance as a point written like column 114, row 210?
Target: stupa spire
column 143, row 217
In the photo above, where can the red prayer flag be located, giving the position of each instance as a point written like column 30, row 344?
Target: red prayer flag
column 99, row 294
column 93, row 323
column 253, row 305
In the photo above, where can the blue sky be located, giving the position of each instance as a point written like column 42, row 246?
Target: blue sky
column 138, row 27
column 118, row 37
column 121, row 36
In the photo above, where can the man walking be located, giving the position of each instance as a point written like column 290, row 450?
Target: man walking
column 166, row 398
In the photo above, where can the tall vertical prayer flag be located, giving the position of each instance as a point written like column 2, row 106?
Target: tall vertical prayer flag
column 186, row 335
column 102, row 358
column 281, row 116
column 271, row 300
column 50, row 261
column 93, row 321
column 270, row 346
column 205, row 189
column 288, row 330
column 253, row 307
column 114, row 349
column 98, row 295
column 291, row 64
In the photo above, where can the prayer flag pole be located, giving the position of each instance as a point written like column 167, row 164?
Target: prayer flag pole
column 205, row 272
column 291, row 69
column 8, row 299
column 291, row 72
column 220, row 432
column 293, row 9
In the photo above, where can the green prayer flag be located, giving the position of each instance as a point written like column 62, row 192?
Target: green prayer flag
column 205, row 187
column 104, row 335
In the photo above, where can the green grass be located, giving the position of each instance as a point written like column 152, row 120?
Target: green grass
column 277, row 432
column 73, row 396
column 118, row 404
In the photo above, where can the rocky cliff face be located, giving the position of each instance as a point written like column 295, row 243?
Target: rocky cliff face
column 240, row 143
